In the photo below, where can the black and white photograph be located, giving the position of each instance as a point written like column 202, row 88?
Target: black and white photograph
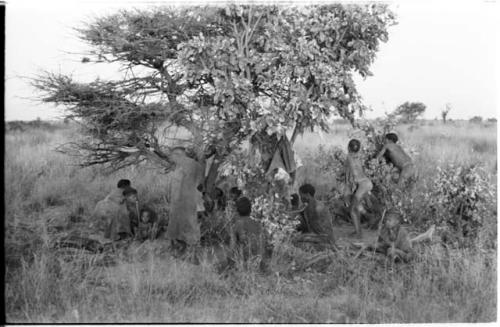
column 250, row 162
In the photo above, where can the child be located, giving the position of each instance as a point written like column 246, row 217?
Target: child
column 148, row 225
column 357, row 185
column 396, row 155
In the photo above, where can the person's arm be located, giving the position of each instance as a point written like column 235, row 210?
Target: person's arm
column 347, row 188
column 381, row 153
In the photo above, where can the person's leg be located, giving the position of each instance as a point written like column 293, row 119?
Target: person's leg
column 407, row 173
column 424, row 236
column 362, row 189
column 355, row 216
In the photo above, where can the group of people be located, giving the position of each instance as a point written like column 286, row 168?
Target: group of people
column 124, row 218
column 118, row 216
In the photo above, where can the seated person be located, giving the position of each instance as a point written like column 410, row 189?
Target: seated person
column 248, row 238
column 247, row 232
column 121, row 226
column 148, row 225
column 111, row 208
column 317, row 218
column 394, row 240
column 117, row 194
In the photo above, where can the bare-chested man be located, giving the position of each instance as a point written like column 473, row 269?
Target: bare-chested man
column 396, row 155
column 248, row 237
column 357, row 185
column 248, row 234
column 316, row 216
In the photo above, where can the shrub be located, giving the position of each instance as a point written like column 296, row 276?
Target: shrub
column 460, row 199
column 476, row 119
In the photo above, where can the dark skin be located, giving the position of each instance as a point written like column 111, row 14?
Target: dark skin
column 316, row 217
column 396, row 155
column 147, row 227
column 247, row 234
column 394, row 241
column 355, row 176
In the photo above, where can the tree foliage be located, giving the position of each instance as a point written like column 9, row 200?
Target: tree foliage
column 409, row 111
column 476, row 119
column 444, row 112
column 226, row 74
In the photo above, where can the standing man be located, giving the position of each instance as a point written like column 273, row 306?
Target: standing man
column 183, row 229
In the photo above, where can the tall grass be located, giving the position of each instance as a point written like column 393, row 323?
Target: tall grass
column 146, row 284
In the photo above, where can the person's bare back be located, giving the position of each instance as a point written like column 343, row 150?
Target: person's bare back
column 397, row 156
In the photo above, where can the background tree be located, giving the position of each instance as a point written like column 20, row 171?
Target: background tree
column 476, row 119
column 445, row 111
column 409, row 111
column 226, row 74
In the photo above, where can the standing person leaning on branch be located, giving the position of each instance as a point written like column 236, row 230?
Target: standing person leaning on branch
column 357, row 185
column 398, row 157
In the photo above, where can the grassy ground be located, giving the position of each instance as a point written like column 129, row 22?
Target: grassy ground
column 148, row 285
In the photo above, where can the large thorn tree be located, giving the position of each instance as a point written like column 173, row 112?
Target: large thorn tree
column 226, row 74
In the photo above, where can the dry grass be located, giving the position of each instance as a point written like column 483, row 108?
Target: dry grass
column 148, row 285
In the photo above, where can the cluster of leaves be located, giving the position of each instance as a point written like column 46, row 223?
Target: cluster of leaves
column 268, row 206
column 224, row 73
column 270, row 211
column 461, row 198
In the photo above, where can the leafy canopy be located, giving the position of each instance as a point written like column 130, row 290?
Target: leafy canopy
column 409, row 111
column 226, row 74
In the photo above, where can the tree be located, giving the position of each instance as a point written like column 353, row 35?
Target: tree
column 226, row 74
column 444, row 112
column 476, row 119
column 408, row 111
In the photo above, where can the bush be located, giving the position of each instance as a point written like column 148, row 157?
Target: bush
column 476, row 119
column 461, row 198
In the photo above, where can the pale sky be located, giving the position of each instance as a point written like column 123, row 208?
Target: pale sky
column 440, row 52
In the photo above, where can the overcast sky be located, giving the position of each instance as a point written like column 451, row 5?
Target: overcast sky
column 440, row 52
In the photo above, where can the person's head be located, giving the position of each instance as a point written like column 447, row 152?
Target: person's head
column 234, row 193
column 130, row 195
column 353, row 146
column 123, row 183
column 391, row 137
column 244, row 206
column 147, row 215
column 392, row 224
column 306, row 193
